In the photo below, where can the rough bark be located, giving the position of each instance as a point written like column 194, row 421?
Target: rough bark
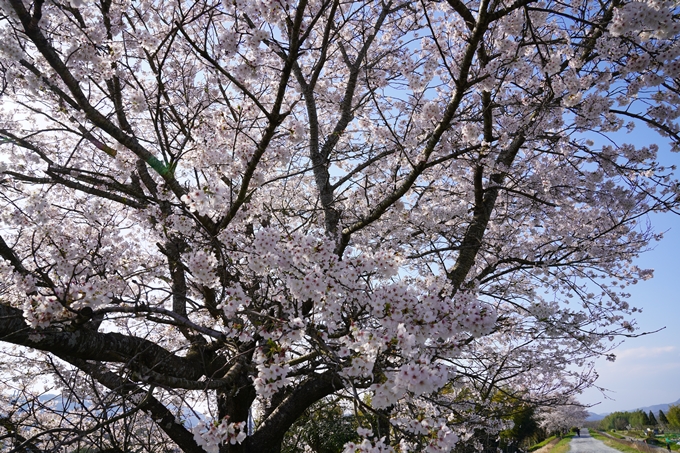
column 138, row 353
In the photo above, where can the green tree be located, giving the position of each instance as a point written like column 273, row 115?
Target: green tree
column 638, row 419
column 525, row 419
column 616, row 420
column 645, row 419
column 662, row 418
column 524, row 431
column 652, row 419
column 324, row 428
column 673, row 417
column 621, row 423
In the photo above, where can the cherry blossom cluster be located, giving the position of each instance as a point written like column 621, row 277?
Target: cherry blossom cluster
column 297, row 131
column 201, row 265
column 10, row 49
column 413, row 425
column 211, row 436
column 471, row 133
column 209, row 200
column 653, row 18
column 197, row 201
column 512, row 24
column 24, row 284
column 38, row 208
column 670, row 62
column 421, row 377
column 309, row 268
column 93, row 293
column 40, row 311
column 228, row 43
column 418, row 378
column 412, row 318
column 272, row 374
column 364, row 345
column 431, row 111
column 443, row 440
column 474, row 316
column 544, row 310
column 86, row 61
column 407, row 318
column 272, row 250
column 361, row 367
column 235, row 298
column 268, row 10
column 368, row 446
column 294, row 331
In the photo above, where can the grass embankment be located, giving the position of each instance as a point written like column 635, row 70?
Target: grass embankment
column 563, row 445
column 657, row 441
column 617, row 435
column 542, row 444
column 625, row 446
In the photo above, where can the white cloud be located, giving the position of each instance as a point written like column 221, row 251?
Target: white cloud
column 648, row 363
column 644, row 352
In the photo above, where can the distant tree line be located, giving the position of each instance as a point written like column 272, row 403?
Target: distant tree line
column 640, row 419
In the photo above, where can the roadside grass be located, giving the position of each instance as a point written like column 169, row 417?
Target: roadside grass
column 624, row 445
column 563, row 445
column 636, row 433
column 615, row 434
column 542, row 444
column 658, row 441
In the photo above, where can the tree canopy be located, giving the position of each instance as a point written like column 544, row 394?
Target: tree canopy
column 560, row 419
column 652, row 419
column 673, row 416
column 624, row 420
column 662, row 418
column 217, row 215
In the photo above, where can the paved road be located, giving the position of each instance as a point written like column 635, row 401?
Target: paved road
column 587, row 444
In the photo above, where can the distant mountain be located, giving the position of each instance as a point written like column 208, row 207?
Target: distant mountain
column 656, row 408
column 593, row 417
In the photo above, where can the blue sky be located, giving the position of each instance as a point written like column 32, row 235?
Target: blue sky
column 647, row 369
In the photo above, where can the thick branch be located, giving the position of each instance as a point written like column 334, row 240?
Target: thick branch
column 56, row 179
column 270, row 432
column 484, row 205
column 88, row 345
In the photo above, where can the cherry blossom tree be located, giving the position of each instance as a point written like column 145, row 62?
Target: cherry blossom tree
column 218, row 214
column 562, row 418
